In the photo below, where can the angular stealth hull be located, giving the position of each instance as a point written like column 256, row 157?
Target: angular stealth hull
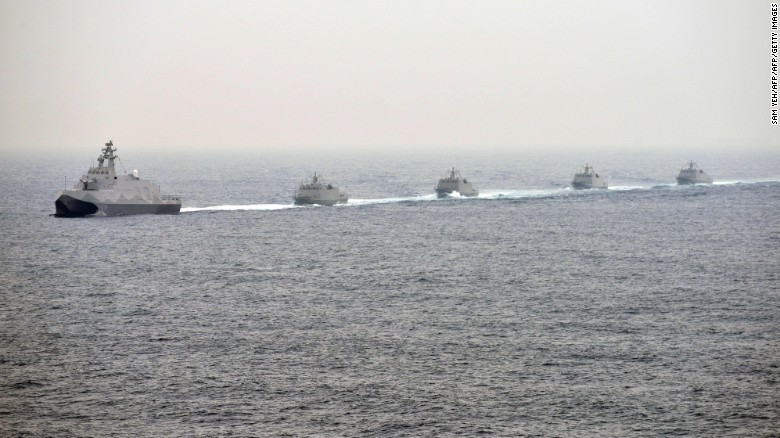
column 69, row 205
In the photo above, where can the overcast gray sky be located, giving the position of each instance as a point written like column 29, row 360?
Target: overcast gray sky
column 376, row 75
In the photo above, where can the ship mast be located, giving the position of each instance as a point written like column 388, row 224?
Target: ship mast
column 108, row 154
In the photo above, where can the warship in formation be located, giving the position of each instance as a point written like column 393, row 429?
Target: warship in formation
column 455, row 183
column 693, row 175
column 101, row 192
column 317, row 191
column 588, row 179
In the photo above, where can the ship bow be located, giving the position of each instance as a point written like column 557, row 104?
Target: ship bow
column 68, row 206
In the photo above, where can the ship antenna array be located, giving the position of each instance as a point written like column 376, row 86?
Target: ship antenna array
column 121, row 164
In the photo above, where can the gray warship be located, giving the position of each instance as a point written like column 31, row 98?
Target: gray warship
column 101, row 192
column 455, row 183
column 588, row 179
column 692, row 175
column 317, row 191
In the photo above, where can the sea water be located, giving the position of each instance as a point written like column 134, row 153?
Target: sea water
column 646, row 309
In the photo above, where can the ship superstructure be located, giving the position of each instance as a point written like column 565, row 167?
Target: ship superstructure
column 454, row 182
column 317, row 191
column 693, row 175
column 588, row 179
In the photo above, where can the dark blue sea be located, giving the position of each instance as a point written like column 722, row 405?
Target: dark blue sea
column 647, row 309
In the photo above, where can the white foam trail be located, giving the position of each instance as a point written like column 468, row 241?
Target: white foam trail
column 256, row 207
column 357, row 202
column 745, row 181
column 521, row 194
column 270, row 207
column 623, row 188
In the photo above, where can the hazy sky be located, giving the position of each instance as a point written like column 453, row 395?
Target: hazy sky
column 374, row 75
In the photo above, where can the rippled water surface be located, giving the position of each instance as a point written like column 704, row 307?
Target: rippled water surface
column 647, row 309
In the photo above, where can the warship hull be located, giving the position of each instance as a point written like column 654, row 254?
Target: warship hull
column 588, row 179
column 318, row 192
column 683, row 181
column 101, row 192
column 444, row 193
column 583, row 186
column 692, row 175
column 70, row 206
column 67, row 206
column 318, row 201
column 452, row 183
